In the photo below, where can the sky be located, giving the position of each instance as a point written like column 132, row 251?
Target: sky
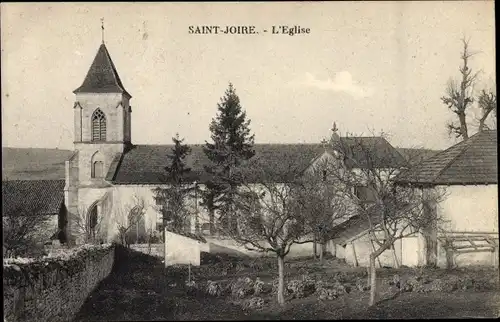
column 370, row 67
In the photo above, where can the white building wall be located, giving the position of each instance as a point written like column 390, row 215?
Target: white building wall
column 470, row 208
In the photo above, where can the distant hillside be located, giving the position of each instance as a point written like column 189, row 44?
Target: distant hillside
column 48, row 164
column 33, row 163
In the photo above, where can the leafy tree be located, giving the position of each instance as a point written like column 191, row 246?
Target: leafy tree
column 231, row 144
column 172, row 198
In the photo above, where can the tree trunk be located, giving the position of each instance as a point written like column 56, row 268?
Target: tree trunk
column 373, row 280
column 463, row 126
column 281, row 280
column 430, row 234
column 396, row 260
column 211, row 218
column 321, row 253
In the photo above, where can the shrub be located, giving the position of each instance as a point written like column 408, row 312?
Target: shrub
column 362, row 285
column 254, row 303
column 301, row 288
column 327, row 294
column 191, row 287
column 214, row 289
column 260, row 287
column 242, row 287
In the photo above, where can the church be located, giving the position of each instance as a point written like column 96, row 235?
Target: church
column 108, row 178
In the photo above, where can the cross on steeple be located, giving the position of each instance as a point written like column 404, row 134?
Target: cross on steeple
column 102, row 29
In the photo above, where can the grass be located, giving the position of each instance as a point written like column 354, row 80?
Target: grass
column 139, row 288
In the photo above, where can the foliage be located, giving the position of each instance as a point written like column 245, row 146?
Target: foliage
column 254, row 303
column 172, row 198
column 231, row 144
column 214, row 289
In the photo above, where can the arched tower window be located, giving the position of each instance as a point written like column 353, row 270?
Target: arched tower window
column 98, row 125
column 97, row 165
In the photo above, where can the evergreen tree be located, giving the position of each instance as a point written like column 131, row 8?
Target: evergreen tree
column 232, row 144
column 172, row 199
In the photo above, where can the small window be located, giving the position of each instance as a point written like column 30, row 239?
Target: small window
column 324, row 175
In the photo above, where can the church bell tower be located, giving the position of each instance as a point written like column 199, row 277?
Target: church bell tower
column 102, row 116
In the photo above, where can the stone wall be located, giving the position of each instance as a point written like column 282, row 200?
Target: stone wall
column 155, row 250
column 55, row 287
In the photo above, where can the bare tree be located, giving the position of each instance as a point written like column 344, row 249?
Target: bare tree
column 487, row 101
column 129, row 216
column 24, row 231
column 389, row 211
column 269, row 212
column 325, row 207
column 87, row 225
column 459, row 95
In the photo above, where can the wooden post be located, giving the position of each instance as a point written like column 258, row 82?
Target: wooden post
column 495, row 257
column 449, row 255
column 334, row 249
column 356, row 263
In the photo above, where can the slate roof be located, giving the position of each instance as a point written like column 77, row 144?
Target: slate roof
column 32, row 196
column 144, row 164
column 102, row 76
column 472, row 161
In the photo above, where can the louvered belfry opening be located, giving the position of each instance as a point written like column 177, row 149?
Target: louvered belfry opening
column 98, row 126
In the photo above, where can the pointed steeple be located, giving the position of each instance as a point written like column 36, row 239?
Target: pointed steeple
column 102, row 76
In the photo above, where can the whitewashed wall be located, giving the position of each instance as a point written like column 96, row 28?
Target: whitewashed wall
column 471, row 208
column 181, row 250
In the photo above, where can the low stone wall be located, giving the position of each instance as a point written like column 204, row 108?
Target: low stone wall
column 155, row 249
column 55, row 287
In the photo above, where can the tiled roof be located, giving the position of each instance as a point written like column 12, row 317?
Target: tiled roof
column 32, row 196
column 102, row 76
column 145, row 164
column 415, row 156
column 373, row 151
column 473, row 161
